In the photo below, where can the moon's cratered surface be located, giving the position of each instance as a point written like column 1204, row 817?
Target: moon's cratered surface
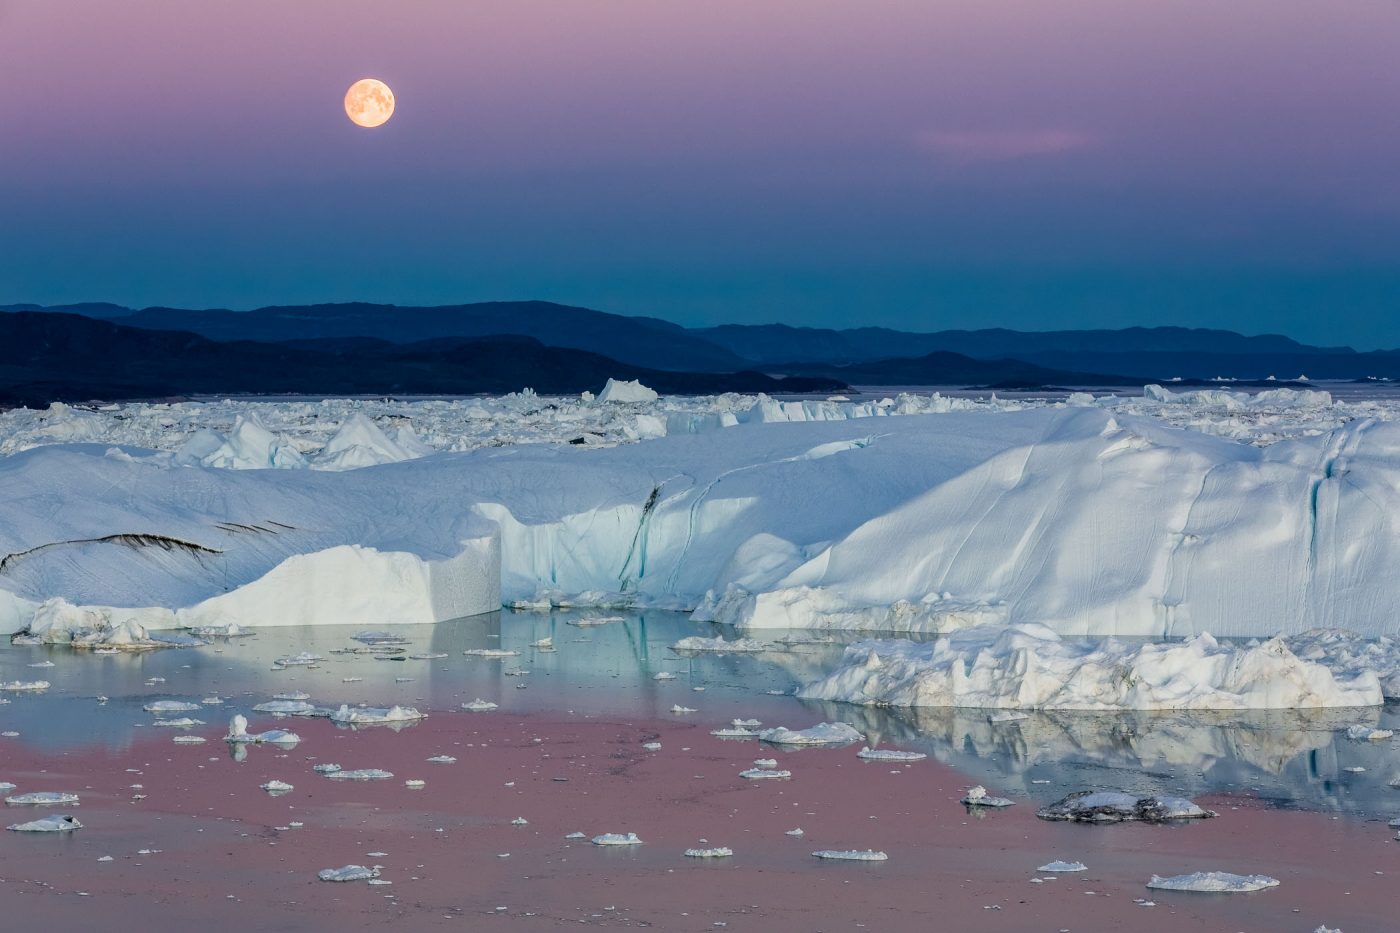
column 369, row 102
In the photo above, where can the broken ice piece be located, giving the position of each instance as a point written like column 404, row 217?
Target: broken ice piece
column 795, row 832
column 978, row 797
column 479, row 706
column 368, row 715
column 576, row 836
column 1063, row 866
column 491, row 653
column 663, row 675
column 1089, row 806
column 888, row 754
column 734, row 732
column 325, row 768
column 546, row 643
column 43, row 798
column 520, row 821
column 170, row 706
column 617, row 839
column 718, row 852
column 681, row 709
column 277, row 787
column 652, row 746
column 53, row 823
column 755, row 774
column 855, row 855
column 25, row 686
column 1366, row 733
column 415, row 783
column 348, row 873
column 824, row 733
column 238, row 734
column 1213, row 882
column 765, row 762
column 359, row 774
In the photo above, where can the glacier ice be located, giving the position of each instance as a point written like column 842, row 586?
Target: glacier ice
column 1213, row 882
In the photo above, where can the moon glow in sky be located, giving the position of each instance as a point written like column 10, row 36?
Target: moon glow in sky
column 369, row 102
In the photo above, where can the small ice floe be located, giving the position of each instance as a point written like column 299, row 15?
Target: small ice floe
column 275, row 787
column 304, row 659
column 238, row 734
column 852, row 855
column 43, row 798
column 652, row 746
column 368, row 715
column 359, row 774
column 795, row 832
column 184, row 722
column 294, row 695
column 348, row 873
column 1104, row 806
column 1058, row 865
column 188, row 740
column 325, row 768
column 663, row 675
column 24, row 686
column 718, row 645
column 1365, row 733
column 825, row 733
column 212, row 701
column 517, row 672
column 442, row 760
column 1213, row 882
column 435, row 656
column 42, row 664
column 544, row 644
column 491, row 653
column 745, row 723
column 734, row 732
column 53, row 823
column 415, row 783
column 681, row 709
column 479, row 706
column 351, row 680
column 576, row 836
column 520, row 821
column 379, row 638
column 595, row 620
column 616, row 839
column 758, row 774
column 170, row 706
column 286, row 708
column 718, row 852
column 889, row 754
column 978, row 797
column 6, row 787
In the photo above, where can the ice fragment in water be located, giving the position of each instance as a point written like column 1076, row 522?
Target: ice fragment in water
column 825, row 733
column 371, row 715
column 491, row 653
column 663, row 675
column 854, row 855
column 170, row 706
column 1089, row 806
column 479, row 706
column 978, row 797
column 442, row 759
column 348, row 873
column 888, row 754
column 718, row 852
column 755, row 774
column 25, row 686
column 1213, row 882
column 43, row 798
column 54, row 823
column 681, row 709
column 617, row 839
column 1366, row 733
column 359, row 774
column 1063, row 866
column 277, row 787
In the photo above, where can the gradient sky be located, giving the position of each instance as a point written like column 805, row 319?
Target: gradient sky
column 915, row 163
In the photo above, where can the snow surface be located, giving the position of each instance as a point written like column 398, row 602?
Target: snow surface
column 1030, row 667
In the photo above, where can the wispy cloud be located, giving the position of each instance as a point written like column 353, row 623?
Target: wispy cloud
column 970, row 146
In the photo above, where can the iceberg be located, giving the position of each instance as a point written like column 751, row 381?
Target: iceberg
column 825, row 733
column 54, row 823
column 238, row 735
column 348, row 873
column 853, row 855
column 631, row 391
column 617, row 839
column 372, row 716
column 1088, row 806
column 1213, row 882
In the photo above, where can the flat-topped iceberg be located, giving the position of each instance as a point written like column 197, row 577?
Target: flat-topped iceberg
column 364, row 715
column 1101, row 806
column 1213, row 882
column 617, row 839
column 824, row 733
column 1031, row 667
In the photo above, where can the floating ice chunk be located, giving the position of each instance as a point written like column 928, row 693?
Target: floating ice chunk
column 294, row 695
column 595, row 620
column 479, row 706
column 184, row 722
column 377, row 637
column 415, row 783
column 24, row 686
column 617, row 839
column 825, row 733
column 304, row 659
column 889, row 754
column 630, row 391
column 372, row 715
column 1365, row 733
column 853, row 855
column 734, row 732
column 43, row 798
column 745, row 723
column 188, row 740
column 359, row 774
column 325, row 768
column 520, row 821
column 6, row 787
column 978, row 797
column 1213, row 882
column 718, row 852
column 718, row 645
column 576, row 836
column 663, row 675
column 442, row 760
column 170, row 706
column 765, row 762
column 491, row 653
column 1063, row 866
column 758, row 774
column 277, row 787
column 795, row 832
column 428, row 657
column 53, row 823
column 652, row 746
column 543, row 643
column 286, row 707
column 1089, row 806
column 681, row 709
column 238, row 734
column 348, row 873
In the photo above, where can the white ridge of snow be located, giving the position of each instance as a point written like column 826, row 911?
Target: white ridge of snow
column 1213, row 882
column 1028, row 666
column 53, row 823
column 616, row 839
column 825, row 733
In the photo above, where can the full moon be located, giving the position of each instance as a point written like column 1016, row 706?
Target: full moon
column 369, row 102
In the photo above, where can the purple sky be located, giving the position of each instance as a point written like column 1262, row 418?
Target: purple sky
column 916, row 163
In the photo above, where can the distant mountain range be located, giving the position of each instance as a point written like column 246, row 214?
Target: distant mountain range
column 375, row 348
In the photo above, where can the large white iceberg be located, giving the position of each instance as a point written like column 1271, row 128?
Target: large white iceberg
column 1030, row 667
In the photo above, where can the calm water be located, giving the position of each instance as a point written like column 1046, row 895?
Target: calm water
column 1295, row 758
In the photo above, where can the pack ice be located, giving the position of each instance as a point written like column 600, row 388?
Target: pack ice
column 1269, row 513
